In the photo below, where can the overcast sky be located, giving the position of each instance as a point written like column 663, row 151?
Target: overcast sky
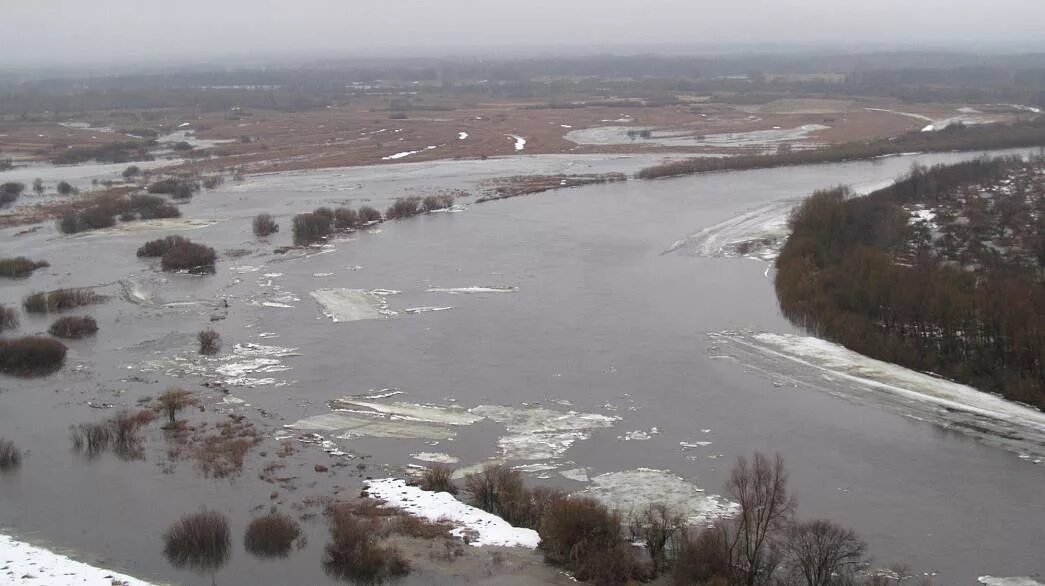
column 72, row 31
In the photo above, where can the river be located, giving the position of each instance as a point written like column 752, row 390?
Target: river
column 564, row 299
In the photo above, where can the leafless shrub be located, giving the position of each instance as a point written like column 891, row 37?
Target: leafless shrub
column 19, row 267
column 766, row 507
column 354, row 552
column 74, row 327
column 271, row 536
column 8, row 318
column 174, row 400
column 160, row 246
column 10, row 456
column 421, row 528
column 189, row 256
column 210, row 342
column 311, row 228
column 31, row 356
column 369, row 215
column 439, row 478
column 264, row 225
column 91, row 438
column 437, row 202
column 345, row 218
column 61, row 300
column 584, row 536
column 403, row 208
column 200, row 541
column 221, row 454
column 704, row 559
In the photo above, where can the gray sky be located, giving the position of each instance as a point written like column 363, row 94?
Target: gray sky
column 71, row 31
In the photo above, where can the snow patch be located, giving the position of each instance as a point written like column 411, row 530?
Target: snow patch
column 28, row 564
column 478, row 527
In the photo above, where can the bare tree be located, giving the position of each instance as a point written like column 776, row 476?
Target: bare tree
column 658, row 527
column 825, row 554
column 174, row 400
column 760, row 488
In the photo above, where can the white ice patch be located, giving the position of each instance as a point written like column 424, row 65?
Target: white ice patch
column 537, row 433
column 407, row 411
column 639, row 435
column 351, row 427
column 633, row 490
column 836, row 370
column 27, row 564
column 345, row 305
column 577, row 474
column 426, row 309
column 473, row 289
column 759, row 233
column 249, row 359
column 478, row 526
column 399, row 155
column 1009, row 581
column 435, row 457
column 462, row 135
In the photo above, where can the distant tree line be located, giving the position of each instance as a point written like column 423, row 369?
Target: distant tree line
column 848, row 273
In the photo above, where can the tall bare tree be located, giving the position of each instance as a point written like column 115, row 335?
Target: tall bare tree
column 766, row 507
column 823, row 553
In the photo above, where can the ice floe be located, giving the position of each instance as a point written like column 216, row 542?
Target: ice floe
column 1008, row 581
column 633, row 490
column 473, row 289
column 476, row 526
column 349, row 426
column 408, row 411
column 345, row 305
column 426, row 309
column 759, row 233
column 435, row 457
column 538, row 433
column 23, row 563
column 462, row 135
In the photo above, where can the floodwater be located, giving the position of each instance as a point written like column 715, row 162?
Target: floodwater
column 567, row 341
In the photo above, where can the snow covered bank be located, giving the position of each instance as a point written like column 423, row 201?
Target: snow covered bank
column 21, row 563
column 802, row 361
column 1014, row 581
column 480, row 527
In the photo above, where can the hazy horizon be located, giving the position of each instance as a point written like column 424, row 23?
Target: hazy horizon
column 71, row 32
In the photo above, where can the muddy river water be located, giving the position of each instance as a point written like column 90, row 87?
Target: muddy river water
column 564, row 306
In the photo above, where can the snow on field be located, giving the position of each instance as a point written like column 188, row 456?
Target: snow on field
column 520, row 142
column 399, row 155
column 462, row 135
column 808, row 362
column 478, row 526
column 21, row 563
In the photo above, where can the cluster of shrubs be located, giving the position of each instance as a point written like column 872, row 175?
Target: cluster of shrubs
column 73, row 327
column 406, row 207
column 60, row 300
column 210, row 342
column 103, row 213
column 355, row 553
column 175, row 187
column 31, row 356
column 322, row 222
column 10, row 191
column 177, row 253
column 20, row 266
column 203, row 541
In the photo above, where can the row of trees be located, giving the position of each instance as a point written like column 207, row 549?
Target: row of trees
column 848, row 273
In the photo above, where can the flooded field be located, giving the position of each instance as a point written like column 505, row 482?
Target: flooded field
column 551, row 332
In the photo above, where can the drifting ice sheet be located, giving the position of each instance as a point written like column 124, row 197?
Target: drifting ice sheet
column 483, row 528
column 344, row 305
column 633, row 490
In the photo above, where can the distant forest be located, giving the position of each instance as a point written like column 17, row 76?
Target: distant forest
column 858, row 271
column 737, row 78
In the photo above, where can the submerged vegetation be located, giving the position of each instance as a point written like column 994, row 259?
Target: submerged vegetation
column 963, row 298
column 10, row 455
column 180, row 254
column 31, row 356
column 200, row 541
column 263, row 225
column 61, row 300
column 8, row 318
column 355, row 553
column 20, row 267
column 73, row 327
column 271, row 536
column 102, row 212
column 210, row 342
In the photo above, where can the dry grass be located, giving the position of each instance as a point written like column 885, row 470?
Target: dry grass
column 74, row 327
column 354, row 552
column 19, row 267
column 10, row 456
column 31, row 356
column 421, row 528
column 218, row 452
column 61, row 300
column 439, row 478
column 121, row 432
column 271, row 536
column 200, row 541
